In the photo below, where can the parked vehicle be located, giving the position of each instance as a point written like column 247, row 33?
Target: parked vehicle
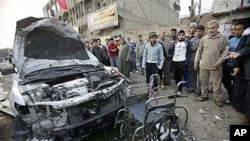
column 60, row 91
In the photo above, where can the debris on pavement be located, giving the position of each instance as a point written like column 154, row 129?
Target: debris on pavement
column 202, row 111
column 211, row 123
column 217, row 117
column 190, row 138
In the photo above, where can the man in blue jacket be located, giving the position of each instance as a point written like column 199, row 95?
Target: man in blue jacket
column 244, row 55
column 152, row 56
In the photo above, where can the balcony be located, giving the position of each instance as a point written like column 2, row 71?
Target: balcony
column 82, row 21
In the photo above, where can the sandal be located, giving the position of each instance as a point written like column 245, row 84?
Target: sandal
column 162, row 87
column 227, row 101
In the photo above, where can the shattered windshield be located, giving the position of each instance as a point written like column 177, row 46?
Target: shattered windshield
column 42, row 43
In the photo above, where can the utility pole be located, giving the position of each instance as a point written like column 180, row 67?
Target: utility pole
column 199, row 11
column 192, row 9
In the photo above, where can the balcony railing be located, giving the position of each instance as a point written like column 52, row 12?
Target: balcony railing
column 81, row 21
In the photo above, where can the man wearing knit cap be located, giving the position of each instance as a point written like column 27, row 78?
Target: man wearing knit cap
column 191, row 30
column 152, row 56
column 191, row 34
column 193, row 24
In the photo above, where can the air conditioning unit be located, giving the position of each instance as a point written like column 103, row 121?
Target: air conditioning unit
column 99, row 32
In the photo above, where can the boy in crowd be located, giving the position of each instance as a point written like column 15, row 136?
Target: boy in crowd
column 193, row 75
column 104, row 52
column 181, row 52
column 97, row 51
column 152, row 56
column 190, row 35
column 113, row 52
column 139, row 51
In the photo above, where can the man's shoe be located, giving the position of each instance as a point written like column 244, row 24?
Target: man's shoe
column 240, row 111
column 244, row 121
column 218, row 103
column 179, row 93
column 192, row 90
column 155, row 93
column 197, row 94
column 167, row 84
column 162, row 87
column 228, row 102
column 189, row 91
column 185, row 89
column 201, row 98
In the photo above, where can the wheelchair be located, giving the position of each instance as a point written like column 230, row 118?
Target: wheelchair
column 150, row 118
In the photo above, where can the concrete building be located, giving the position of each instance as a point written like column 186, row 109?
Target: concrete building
column 101, row 18
column 229, row 11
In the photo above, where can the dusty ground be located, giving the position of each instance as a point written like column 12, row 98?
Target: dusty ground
column 212, row 124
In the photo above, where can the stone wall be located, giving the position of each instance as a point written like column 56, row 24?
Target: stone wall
column 184, row 22
column 141, row 14
column 148, row 13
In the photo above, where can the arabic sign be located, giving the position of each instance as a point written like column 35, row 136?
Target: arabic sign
column 103, row 19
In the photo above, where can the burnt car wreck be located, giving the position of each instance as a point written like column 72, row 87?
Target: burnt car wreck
column 60, row 91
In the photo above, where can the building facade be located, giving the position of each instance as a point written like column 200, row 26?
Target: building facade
column 229, row 11
column 113, row 17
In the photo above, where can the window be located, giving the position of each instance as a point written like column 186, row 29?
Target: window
column 104, row 3
column 98, row 5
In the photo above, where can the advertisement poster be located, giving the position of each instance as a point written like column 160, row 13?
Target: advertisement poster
column 103, row 18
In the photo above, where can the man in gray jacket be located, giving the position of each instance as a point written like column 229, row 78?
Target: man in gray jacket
column 193, row 75
column 104, row 52
column 167, row 60
column 139, row 51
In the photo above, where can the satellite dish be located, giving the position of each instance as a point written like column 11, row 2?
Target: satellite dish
column 176, row 5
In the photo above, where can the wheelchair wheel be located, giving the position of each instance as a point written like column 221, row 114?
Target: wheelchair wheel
column 138, row 136
column 122, row 130
column 166, row 129
column 127, row 125
column 154, row 79
column 182, row 115
column 156, row 131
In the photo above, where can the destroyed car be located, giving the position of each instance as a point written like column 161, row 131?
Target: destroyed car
column 60, row 91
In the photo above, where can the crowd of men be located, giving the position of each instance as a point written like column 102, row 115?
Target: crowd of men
column 203, row 60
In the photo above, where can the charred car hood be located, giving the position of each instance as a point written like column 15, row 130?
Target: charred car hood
column 48, row 43
column 60, row 90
